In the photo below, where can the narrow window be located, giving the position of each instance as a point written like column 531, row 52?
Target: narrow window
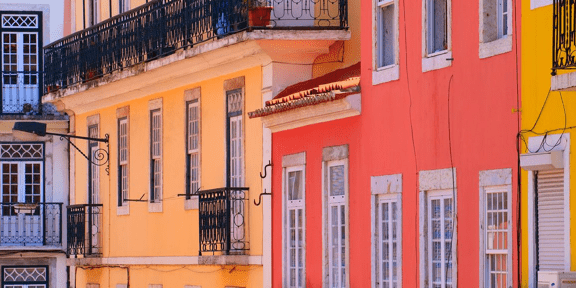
column 337, row 256
column 122, row 161
column 193, row 144
column 93, row 12
column 387, row 244
column 437, row 25
column 440, row 233
column 93, row 169
column 386, row 33
column 496, row 237
column 123, row 6
column 295, row 229
column 156, row 156
column 503, row 15
column 235, row 169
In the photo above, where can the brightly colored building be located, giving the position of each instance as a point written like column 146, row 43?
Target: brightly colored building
column 33, row 172
column 169, row 84
column 548, row 239
column 410, row 179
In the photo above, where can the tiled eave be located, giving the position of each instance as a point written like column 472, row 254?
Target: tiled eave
column 310, row 110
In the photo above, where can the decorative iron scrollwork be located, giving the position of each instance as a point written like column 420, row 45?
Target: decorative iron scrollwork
column 99, row 157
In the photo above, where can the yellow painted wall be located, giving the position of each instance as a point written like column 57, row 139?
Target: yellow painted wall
column 536, row 68
column 104, row 10
column 174, row 232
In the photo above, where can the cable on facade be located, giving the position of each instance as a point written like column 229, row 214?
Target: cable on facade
column 454, row 205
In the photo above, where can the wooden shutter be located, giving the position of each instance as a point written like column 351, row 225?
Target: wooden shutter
column 550, row 191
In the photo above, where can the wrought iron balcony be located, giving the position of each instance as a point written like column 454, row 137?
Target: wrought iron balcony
column 37, row 224
column 85, row 230
column 564, row 35
column 20, row 92
column 223, row 220
column 161, row 27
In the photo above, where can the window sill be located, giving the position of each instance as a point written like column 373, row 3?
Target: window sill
column 229, row 260
column 495, row 47
column 155, row 207
column 386, row 74
column 191, row 204
column 123, row 210
column 437, row 61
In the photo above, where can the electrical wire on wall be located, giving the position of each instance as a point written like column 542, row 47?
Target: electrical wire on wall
column 454, row 205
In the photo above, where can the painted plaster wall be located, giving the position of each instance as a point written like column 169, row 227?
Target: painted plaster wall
column 407, row 120
column 174, row 232
column 536, row 67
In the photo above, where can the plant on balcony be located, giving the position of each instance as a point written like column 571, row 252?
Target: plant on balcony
column 25, row 208
column 259, row 13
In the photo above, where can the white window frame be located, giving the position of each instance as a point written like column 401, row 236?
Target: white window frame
column 123, row 4
column 155, row 203
column 503, row 42
column 190, row 151
column 287, row 207
column 535, row 145
column 439, row 59
column 499, row 180
column 326, row 243
column 385, row 189
column 436, row 183
column 93, row 13
column 383, row 74
column 123, row 161
column 21, row 184
column 192, row 98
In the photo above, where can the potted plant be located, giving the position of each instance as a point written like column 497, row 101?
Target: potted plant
column 259, row 13
column 25, row 208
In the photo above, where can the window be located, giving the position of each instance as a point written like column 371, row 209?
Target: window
column 123, row 6
column 25, row 277
column 440, row 235
column 495, row 26
column 387, row 231
column 93, row 12
column 93, row 169
column 193, row 144
column 156, row 156
column 235, row 103
column 21, row 48
column 386, row 33
column 337, row 186
column 122, row 161
column 437, row 25
column 295, row 234
column 437, row 234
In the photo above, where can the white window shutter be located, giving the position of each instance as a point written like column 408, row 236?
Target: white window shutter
column 551, row 220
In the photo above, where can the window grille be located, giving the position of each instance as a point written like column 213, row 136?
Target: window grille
column 440, row 233
column 25, row 274
column 193, row 130
column 337, row 225
column 22, row 151
column 295, row 229
column 19, row 21
column 156, row 151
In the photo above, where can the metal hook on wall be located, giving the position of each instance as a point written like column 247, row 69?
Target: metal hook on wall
column 269, row 165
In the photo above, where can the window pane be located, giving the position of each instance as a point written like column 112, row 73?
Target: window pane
column 294, row 185
column 386, row 37
column 337, row 180
column 437, row 26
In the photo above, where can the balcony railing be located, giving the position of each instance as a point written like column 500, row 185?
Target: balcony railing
column 161, row 27
column 564, row 35
column 223, row 220
column 85, row 230
column 20, row 92
column 38, row 224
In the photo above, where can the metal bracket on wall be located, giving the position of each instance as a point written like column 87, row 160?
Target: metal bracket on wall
column 269, row 165
column 100, row 157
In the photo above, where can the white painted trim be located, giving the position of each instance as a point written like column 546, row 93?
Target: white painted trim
column 385, row 186
column 319, row 113
column 386, row 74
column 490, row 179
column 436, row 60
column 549, row 145
column 539, row 3
column 285, row 258
column 496, row 47
column 267, row 73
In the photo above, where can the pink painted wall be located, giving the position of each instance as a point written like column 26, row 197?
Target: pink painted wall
column 483, row 128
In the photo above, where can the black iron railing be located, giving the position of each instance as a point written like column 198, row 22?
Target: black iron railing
column 223, row 220
column 564, row 35
column 84, row 230
column 20, row 92
column 25, row 224
column 161, row 27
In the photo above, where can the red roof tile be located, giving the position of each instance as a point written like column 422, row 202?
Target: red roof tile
column 313, row 91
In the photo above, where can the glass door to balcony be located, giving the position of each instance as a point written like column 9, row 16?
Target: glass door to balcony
column 21, row 221
column 20, row 81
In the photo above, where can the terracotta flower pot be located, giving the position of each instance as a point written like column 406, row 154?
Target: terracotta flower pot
column 259, row 16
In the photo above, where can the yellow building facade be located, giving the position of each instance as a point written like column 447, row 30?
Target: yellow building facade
column 547, row 204
column 175, row 204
